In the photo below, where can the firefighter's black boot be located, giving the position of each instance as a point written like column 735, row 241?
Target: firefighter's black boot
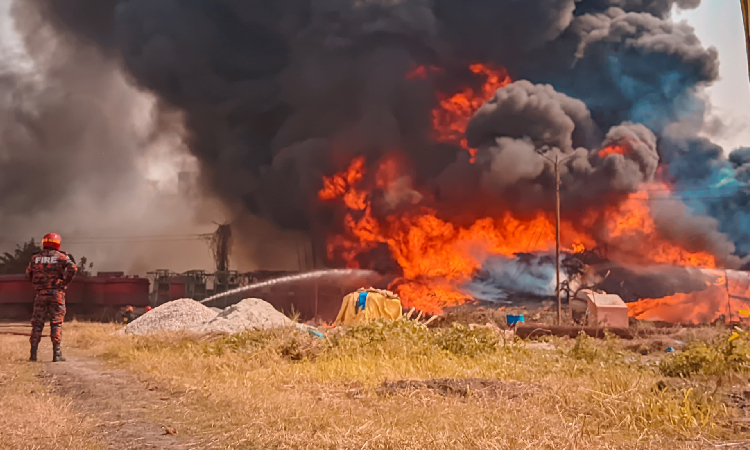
column 32, row 358
column 57, row 355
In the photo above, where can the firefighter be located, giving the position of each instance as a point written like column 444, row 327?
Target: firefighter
column 129, row 314
column 50, row 271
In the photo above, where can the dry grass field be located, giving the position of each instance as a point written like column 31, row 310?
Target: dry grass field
column 31, row 417
column 399, row 386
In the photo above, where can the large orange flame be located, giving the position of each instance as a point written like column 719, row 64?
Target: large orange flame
column 421, row 72
column 437, row 256
column 726, row 295
column 614, row 149
column 341, row 185
column 632, row 231
column 451, row 117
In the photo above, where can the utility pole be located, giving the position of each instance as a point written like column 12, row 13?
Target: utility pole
column 746, row 21
column 729, row 297
column 557, row 240
column 556, row 163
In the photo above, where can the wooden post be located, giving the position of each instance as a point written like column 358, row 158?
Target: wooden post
column 746, row 22
column 557, row 240
column 729, row 297
column 315, row 307
column 556, row 162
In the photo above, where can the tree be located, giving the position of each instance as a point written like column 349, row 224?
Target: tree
column 83, row 269
column 15, row 263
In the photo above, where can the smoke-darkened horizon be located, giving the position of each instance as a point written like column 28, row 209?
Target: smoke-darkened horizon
column 277, row 97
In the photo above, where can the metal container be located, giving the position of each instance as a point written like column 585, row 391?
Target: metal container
column 97, row 297
column 118, row 291
column 15, row 289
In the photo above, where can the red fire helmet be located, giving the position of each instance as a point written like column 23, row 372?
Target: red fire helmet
column 51, row 240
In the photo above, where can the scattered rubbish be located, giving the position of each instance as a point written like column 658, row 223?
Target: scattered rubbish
column 369, row 304
column 177, row 315
column 431, row 319
column 311, row 331
column 536, row 330
column 535, row 345
column 457, row 387
column 579, row 308
column 670, row 350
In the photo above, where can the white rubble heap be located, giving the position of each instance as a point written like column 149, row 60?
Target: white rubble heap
column 189, row 315
column 249, row 314
column 177, row 315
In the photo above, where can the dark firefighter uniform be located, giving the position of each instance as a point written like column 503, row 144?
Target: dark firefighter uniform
column 50, row 271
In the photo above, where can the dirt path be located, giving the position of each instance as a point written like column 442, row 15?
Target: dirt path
column 119, row 403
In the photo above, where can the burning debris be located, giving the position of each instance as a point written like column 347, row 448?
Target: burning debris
column 723, row 296
column 405, row 136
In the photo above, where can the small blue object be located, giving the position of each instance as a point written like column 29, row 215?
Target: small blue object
column 670, row 349
column 311, row 331
column 361, row 301
column 315, row 332
column 513, row 319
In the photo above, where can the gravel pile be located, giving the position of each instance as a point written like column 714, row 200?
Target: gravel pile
column 249, row 314
column 177, row 315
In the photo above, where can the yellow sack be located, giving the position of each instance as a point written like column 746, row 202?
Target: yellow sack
column 378, row 304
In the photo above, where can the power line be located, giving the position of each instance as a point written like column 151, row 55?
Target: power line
column 132, row 241
column 120, row 239
column 684, row 191
column 705, row 197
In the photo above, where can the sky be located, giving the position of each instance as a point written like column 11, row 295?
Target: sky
column 718, row 23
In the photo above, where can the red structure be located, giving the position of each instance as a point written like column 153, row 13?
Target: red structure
column 98, row 298
column 102, row 297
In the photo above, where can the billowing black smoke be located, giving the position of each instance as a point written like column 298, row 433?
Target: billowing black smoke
column 711, row 185
column 52, row 127
column 277, row 94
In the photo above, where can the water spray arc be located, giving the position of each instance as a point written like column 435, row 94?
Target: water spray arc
column 292, row 278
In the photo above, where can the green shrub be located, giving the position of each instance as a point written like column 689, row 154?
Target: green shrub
column 379, row 332
column 465, row 341
column 724, row 355
column 584, row 348
column 410, row 337
column 698, row 358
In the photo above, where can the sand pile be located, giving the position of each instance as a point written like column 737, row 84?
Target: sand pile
column 249, row 314
column 176, row 315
